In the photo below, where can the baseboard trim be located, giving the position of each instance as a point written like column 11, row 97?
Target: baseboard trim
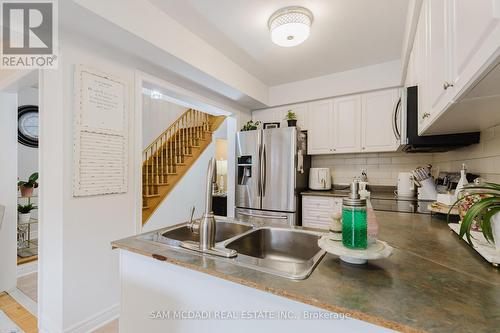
column 94, row 322
column 45, row 326
column 28, row 268
column 25, row 301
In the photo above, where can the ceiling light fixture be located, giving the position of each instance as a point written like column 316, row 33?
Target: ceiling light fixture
column 290, row 26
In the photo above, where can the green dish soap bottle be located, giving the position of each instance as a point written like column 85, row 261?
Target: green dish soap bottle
column 354, row 224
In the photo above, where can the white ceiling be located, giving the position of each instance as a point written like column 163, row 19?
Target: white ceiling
column 345, row 34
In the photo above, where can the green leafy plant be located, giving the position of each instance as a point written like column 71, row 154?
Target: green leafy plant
column 481, row 211
column 25, row 209
column 290, row 115
column 31, row 183
column 250, row 126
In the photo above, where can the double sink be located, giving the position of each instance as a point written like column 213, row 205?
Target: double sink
column 290, row 253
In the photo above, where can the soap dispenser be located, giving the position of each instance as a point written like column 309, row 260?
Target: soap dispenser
column 462, row 182
column 354, row 223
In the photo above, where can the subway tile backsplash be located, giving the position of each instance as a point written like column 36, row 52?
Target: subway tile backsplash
column 383, row 168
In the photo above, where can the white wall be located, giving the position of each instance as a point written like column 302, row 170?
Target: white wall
column 8, row 173
column 76, row 232
column 189, row 191
column 157, row 116
column 482, row 159
column 383, row 168
column 78, row 279
column 379, row 76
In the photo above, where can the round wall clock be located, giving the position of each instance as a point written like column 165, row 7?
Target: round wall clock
column 27, row 125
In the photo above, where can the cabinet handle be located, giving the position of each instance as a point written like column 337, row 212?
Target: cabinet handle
column 447, row 85
column 426, row 115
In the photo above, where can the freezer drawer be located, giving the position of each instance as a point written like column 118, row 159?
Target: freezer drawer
column 265, row 218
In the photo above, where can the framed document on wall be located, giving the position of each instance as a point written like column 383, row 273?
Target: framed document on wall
column 100, row 133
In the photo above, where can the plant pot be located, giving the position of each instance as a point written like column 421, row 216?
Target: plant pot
column 495, row 228
column 26, row 192
column 292, row 122
column 23, row 218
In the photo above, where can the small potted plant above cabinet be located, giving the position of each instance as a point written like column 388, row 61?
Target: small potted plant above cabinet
column 24, row 212
column 27, row 187
column 291, row 118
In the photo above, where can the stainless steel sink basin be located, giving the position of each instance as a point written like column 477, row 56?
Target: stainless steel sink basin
column 291, row 253
column 223, row 231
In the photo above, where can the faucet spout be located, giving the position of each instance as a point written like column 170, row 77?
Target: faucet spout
column 207, row 226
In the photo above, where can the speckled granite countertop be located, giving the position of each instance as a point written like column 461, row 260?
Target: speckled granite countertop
column 433, row 282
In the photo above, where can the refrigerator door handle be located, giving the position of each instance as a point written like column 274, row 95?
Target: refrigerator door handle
column 275, row 217
column 259, row 181
column 264, row 173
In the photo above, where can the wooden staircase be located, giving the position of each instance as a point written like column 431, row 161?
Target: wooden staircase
column 169, row 157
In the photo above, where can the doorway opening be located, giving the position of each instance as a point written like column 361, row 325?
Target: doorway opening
column 19, row 97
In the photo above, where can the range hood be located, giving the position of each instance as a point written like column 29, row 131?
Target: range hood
column 413, row 143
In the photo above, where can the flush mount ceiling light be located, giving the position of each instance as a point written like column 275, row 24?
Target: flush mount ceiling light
column 290, row 26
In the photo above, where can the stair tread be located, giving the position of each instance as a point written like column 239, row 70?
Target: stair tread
column 150, row 195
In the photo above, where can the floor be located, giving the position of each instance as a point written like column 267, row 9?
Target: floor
column 26, row 260
column 25, row 320
column 28, row 285
column 112, row 327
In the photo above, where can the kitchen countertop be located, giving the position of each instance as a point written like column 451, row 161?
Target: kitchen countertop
column 433, row 282
column 385, row 195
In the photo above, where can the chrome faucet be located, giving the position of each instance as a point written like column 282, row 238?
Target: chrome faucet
column 207, row 224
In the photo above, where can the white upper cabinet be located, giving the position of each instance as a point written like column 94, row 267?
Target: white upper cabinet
column 472, row 23
column 438, row 66
column 320, row 133
column 379, row 118
column 347, row 124
column 456, row 43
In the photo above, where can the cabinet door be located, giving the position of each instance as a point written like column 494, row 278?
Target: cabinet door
column 378, row 123
column 439, row 56
column 419, row 54
column 319, row 135
column 473, row 21
column 347, row 124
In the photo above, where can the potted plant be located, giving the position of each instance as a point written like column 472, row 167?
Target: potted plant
column 24, row 212
column 250, row 126
column 483, row 211
column 27, row 187
column 291, row 118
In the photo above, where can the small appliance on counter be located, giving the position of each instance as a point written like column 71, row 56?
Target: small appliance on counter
column 425, row 183
column 320, row 179
column 406, row 185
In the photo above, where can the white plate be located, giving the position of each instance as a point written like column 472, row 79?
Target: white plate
column 379, row 250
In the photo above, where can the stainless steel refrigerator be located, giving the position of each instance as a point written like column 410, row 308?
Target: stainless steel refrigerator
column 272, row 169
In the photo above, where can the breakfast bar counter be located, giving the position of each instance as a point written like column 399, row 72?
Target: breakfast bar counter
column 433, row 282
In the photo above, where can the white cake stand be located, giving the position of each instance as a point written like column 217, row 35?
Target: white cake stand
column 378, row 250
